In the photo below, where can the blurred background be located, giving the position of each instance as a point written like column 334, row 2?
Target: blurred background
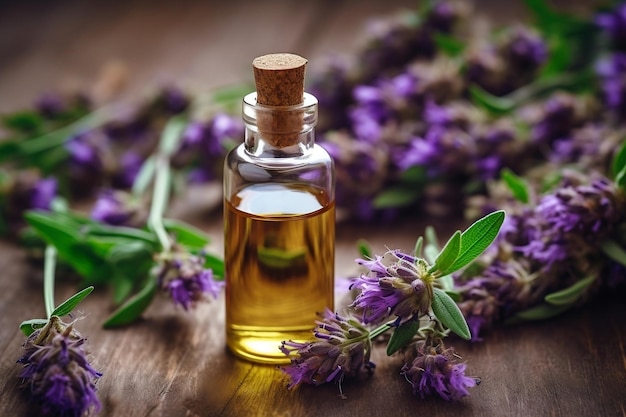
column 69, row 44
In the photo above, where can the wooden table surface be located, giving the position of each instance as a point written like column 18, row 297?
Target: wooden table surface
column 173, row 363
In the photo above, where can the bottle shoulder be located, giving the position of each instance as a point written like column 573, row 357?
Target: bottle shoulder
column 316, row 155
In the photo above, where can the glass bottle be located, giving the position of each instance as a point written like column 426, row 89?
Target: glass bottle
column 279, row 225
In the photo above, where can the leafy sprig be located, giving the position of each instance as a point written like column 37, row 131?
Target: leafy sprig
column 124, row 257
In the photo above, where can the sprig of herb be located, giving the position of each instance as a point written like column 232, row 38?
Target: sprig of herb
column 401, row 293
column 136, row 261
column 56, row 371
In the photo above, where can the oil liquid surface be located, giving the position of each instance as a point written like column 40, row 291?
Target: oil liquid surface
column 279, row 260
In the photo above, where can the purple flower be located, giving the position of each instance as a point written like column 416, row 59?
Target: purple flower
column 611, row 71
column 341, row 349
column 42, row 193
column 525, row 49
column 558, row 119
column 50, row 104
column 396, row 284
column 442, row 16
column 82, row 151
column 130, row 165
column 589, row 210
column 183, row 276
column 614, row 24
column 434, row 370
column 174, row 99
column 116, row 207
column 57, row 372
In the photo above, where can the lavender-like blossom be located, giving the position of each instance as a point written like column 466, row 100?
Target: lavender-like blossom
column 525, row 50
column 442, row 151
column 341, row 349
column 117, row 207
column 130, row 165
column 50, row 104
column 558, row 118
column 360, row 170
column 57, row 373
column 614, row 25
column 43, row 192
column 571, row 222
column 184, row 277
column 509, row 63
column 611, row 71
column 544, row 248
column 397, row 284
column 435, row 370
column 85, row 150
column 174, row 100
column 204, row 144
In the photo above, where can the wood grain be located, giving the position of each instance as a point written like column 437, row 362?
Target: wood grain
column 173, row 363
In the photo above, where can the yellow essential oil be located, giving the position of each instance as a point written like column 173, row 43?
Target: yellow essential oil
column 280, row 264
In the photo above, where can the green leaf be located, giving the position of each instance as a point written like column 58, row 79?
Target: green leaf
column 364, row 249
column 517, row 185
column 29, row 326
column 401, row 336
column 477, row 238
column 455, row 295
column 449, row 45
column 172, row 133
column 9, row 150
column 144, row 177
column 130, row 233
column 214, row 263
column 449, row 314
column 620, row 178
column 448, row 255
column 59, row 234
column 23, row 121
column 619, row 161
column 130, row 262
column 431, row 250
column 186, row 234
column 122, row 287
column 614, row 251
column 68, row 305
column 570, row 295
column 489, row 101
column 415, row 175
column 395, row 197
column 540, row 312
column 229, row 97
column 419, row 244
column 132, row 309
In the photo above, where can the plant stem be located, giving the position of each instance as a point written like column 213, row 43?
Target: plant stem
column 160, row 198
column 380, row 330
column 48, row 279
column 58, row 137
column 169, row 143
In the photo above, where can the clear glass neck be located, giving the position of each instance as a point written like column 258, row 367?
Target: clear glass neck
column 279, row 131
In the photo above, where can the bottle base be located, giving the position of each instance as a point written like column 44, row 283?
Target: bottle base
column 262, row 346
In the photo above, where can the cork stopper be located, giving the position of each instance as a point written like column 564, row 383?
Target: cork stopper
column 279, row 79
column 279, row 82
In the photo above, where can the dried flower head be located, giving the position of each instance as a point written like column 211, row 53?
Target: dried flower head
column 434, row 370
column 341, row 349
column 117, row 207
column 397, row 284
column 57, row 372
column 184, row 277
